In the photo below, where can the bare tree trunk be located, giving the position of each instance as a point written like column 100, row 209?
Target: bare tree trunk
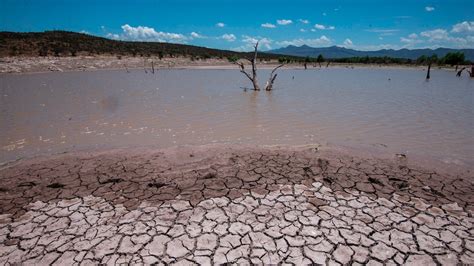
column 460, row 72
column 273, row 75
column 428, row 72
column 252, row 77
column 305, row 65
column 254, row 69
column 152, row 67
column 328, row 64
column 144, row 66
column 471, row 73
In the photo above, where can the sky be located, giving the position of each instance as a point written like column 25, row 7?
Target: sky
column 236, row 25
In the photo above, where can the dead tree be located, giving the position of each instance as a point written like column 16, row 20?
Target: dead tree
column 152, row 67
column 273, row 75
column 458, row 74
column 471, row 73
column 428, row 72
column 253, row 76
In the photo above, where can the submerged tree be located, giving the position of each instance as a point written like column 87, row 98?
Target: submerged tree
column 471, row 72
column 432, row 59
column 320, row 59
column 253, row 75
column 306, row 61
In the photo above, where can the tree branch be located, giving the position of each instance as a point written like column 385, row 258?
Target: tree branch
column 255, row 53
column 242, row 70
column 460, row 71
column 275, row 69
column 269, row 85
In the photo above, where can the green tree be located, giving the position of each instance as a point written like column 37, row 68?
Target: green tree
column 306, row 61
column 320, row 59
column 454, row 58
column 233, row 58
column 421, row 60
column 433, row 58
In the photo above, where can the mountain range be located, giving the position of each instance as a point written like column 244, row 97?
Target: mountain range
column 341, row 52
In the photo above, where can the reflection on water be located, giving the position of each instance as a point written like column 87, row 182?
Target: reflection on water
column 392, row 109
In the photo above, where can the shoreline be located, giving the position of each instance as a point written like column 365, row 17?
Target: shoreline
column 428, row 163
column 34, row 65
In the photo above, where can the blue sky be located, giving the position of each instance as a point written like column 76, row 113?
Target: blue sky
column 226, row 24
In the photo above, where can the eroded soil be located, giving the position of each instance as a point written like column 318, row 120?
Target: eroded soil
column 210, row 205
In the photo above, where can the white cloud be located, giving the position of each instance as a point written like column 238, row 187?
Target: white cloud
column 284, row 21
column 378, row 47
column 313, row 30
column 324, row 14
column 321, row 41
column 268, row 25
column 383, row 31
column 466, row 26
column 143, row 33
column 323, row 27
column 429, row 8
column 435, row 35
column 196, row 35
column 411, row 40
column 304, row 21
column 348, row 43
column 113, row 36
column 250, row 41
column 302, row 30
column 228, row 37
column 441, row 37
column 220, row 25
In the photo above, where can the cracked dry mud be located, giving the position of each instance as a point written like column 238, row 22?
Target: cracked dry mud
column 219, row 205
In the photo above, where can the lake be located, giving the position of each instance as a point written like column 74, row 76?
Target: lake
column 390, row 109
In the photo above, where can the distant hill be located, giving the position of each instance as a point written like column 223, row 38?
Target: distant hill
column 341, row 52
column 65, row 43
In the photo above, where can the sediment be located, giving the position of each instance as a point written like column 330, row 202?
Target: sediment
column 225, row 204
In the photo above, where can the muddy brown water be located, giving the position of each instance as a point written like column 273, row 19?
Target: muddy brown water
column 393, row 110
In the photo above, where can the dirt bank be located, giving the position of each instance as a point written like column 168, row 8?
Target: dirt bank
column 91, row 63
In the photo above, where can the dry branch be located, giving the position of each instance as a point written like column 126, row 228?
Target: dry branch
column 273, row 75
column 251, row 76
column 428, row 72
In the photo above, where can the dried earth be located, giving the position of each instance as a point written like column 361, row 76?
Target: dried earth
column 212, row 205
column 90, row 63
column 19, row 64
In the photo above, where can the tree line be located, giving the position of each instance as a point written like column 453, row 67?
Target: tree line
column 452, row 58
